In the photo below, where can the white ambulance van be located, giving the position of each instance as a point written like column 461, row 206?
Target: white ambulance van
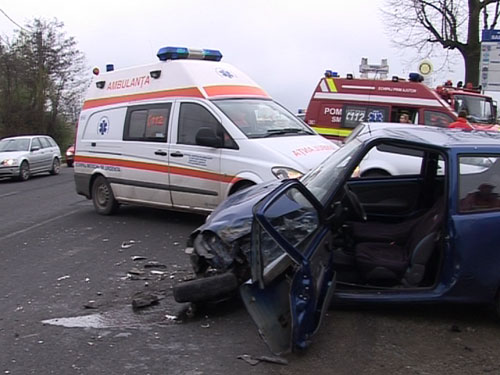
column 184, row 133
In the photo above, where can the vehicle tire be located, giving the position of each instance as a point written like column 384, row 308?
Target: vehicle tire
column 210, row 288
column 102, row 197
column 373, row 173
column 69, row 164
column 24, row 171
column 56, row 166
column 497, row 304
column 241, row 186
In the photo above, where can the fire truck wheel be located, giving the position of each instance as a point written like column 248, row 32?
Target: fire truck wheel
column 102, row 197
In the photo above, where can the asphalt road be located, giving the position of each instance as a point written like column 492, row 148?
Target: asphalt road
column 66, row 304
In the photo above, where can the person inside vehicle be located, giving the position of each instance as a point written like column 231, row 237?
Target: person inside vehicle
column 404, row 118
column 461, row 122
column 483, row 198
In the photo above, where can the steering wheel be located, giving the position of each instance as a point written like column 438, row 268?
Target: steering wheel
column 355, row 203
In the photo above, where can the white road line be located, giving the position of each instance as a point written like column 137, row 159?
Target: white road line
column 8, row 194
column 38, row 225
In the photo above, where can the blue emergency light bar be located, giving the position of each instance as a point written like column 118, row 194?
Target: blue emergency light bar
column 179, row 53
column 416, row 77
column 331, row 73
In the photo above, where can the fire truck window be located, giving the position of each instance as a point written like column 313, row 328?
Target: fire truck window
column 437, row 119
column 193, row 117
column 147, row 123
column 353, row 115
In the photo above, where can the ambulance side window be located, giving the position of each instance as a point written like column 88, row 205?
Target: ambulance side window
column 147, row 123
column 435, row 118
column 192, row 117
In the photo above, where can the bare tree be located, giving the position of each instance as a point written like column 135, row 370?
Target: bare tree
column 449, row 24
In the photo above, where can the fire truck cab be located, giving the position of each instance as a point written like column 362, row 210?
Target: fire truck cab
column 338, row 104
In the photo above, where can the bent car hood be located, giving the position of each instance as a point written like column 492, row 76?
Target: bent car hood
column 232, row 219
column 305, row 150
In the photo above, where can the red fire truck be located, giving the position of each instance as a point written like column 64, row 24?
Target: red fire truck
column 338, row 104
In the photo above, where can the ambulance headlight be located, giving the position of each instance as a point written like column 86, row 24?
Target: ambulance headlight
column 282, row 173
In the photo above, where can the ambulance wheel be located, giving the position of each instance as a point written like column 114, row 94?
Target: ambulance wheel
column 206, row 289
column 241, row 186
column 102, row 197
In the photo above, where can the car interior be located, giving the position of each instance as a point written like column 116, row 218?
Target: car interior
column 388, row 230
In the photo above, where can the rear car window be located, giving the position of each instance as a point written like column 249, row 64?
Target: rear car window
column 479, row 183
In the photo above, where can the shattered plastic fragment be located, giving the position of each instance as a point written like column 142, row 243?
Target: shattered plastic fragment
column 154, row 264
column 136, row 271
column 127, row 244
column 139, row 257
column 63, row 277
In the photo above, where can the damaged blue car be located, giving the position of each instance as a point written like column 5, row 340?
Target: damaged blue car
column 292, row 249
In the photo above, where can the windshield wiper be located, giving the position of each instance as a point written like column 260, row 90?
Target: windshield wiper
column 272, row 132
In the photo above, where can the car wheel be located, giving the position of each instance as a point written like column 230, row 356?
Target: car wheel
column 69, row 164
column 373, row 173
column 24, row 171
column 56, row 167
column 206, row 289
column 102, row 197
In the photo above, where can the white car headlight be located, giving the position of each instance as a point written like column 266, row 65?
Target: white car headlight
column 9, row 162
column 283, row 173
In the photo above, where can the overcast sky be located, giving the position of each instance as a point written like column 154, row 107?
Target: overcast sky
column 285, row 46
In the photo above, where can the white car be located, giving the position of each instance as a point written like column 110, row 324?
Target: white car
column 23, row 156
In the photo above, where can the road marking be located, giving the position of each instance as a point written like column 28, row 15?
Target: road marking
column 38, row 225
column 8, row 194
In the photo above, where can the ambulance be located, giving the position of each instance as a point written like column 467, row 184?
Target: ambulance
column 184, row 133
column 339, row 104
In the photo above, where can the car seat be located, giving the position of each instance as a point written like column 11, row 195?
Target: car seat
column 402, row 260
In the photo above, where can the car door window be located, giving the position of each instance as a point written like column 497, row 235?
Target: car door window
column 35, row 144
column 44, row 142
column 192, row 118
column 479, row 183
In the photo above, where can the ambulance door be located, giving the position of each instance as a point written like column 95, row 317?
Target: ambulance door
column 195, row 175
column 144, row 166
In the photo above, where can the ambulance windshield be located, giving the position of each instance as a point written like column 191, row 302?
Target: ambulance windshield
column 479, row 109
column 262, row 118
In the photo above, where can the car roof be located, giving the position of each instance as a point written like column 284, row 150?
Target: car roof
column 25, row 136
column 429, row 135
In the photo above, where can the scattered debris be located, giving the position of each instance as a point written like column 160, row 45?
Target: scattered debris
column 144, row 299
column 158, row 273
column 63, row 277
column 205, row 325
column 251, row 360
column 127, row 244
column 154, row 264
column 90, row 305
column 138, row 257
column 135, row 271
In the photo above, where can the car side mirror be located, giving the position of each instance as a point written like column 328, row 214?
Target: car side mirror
column 35, row 148
column 207, row 137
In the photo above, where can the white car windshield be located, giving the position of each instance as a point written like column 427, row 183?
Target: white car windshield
column 10, row 145
column 262, row 118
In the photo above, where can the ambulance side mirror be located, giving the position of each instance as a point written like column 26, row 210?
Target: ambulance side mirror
column 207, row 137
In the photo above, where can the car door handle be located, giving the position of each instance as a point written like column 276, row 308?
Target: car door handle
column 161, row 153
column 177, row 154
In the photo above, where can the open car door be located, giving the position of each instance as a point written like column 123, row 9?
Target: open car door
column 292, row 277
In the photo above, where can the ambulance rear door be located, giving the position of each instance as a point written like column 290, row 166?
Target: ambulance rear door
column 195, row 175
